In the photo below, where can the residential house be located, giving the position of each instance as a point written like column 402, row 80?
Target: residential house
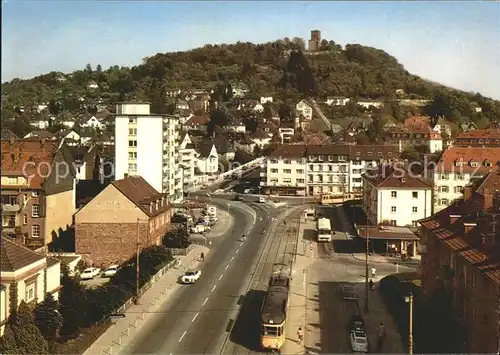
column 187, row 161
column 224, row 148
column 468, row 126
column 40, row 123
column 200, row 102
column 8, row 134
column 286, row 131
column 198, row 123
column 265, row 99
column 369, row 104
column 25, row 276
column 106, row 228
column 182, row 105
column 38, row 191
column 93, row 123
column 172, row 92
column 271, row 115
column 68, row 122
column 208, row 161
column 239, row 89
column 461, row 260
column 415, row 133
column 337, row 100
column 92, row 85
column 393, row 196
column 67, row 134
column 236, row 125
column 336, row 128
column 146, row 145
column 184, row 116
column 244, row 143
column 459, row 166
column 261, row 138
column 413, row 102
column 489, row 137
column 40, row 135
column 303, row 108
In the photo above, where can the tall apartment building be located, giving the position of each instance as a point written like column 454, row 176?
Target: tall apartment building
column 460, row 247
column 317, row 169
column 146, row 145
column 459, row 166
column 315, row 41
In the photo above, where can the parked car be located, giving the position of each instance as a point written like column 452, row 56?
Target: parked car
column 238, row 198
column 90, row 273
column 359, row 341
column 357, row 323
column 111, row 271
column 349, row 293
column 190, row 277
column 262, row 199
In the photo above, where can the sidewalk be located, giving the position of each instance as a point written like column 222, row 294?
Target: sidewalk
column 123, row 330
column 376, row 258
column 298, row 306
column 378, row 313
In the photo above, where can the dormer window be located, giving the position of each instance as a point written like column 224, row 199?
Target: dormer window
column 379, row 154
column 320, row 158
column 389, row 154
column 358, row 153
column 487, row 163
column 370, row 153
column 474, row 164
column 458, row 163
column 330, row 158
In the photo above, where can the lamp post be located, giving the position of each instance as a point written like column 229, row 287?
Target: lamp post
column 367, row 282
column 409, row 299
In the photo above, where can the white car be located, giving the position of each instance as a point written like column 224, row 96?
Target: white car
column 111, row 271
column 90, row 273
column 359, row 341
column 190, row 277
column 262, row 199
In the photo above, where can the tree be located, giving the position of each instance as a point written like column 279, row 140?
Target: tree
column 54, row 107
column 88, row 68
column 72, row 300
column 22, row 335
column 48, row 319
column 217, row 118
column 98, row 68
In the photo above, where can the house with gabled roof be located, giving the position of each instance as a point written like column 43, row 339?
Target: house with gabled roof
column 208, row 160
column 25, row 275
column 106, row 227
column 8, row 134
column 41, row 135
column 262, row 138
column 198, row 123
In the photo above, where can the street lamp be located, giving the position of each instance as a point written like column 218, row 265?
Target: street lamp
column 367, row 286
column 409, row 299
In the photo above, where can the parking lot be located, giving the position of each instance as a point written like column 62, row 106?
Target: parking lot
column 96, row 281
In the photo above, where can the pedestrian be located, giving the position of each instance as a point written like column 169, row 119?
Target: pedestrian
column 381, row 336
column 210, row 243
column 371, row 284
column 202, row 257
column 300, row 335
column 373, row 272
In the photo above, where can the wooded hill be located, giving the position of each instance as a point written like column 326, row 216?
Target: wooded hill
column 282, row 69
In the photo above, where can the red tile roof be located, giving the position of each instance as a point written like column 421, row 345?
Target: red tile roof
column 198, row 121
column 289, row 151
column 31, row 158
column 460, row 160
column 489, row 133
column 396, row 177
column 15, row 256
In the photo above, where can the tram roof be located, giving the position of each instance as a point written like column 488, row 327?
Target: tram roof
column 273, row 311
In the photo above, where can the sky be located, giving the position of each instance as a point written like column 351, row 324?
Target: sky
column 453, row 43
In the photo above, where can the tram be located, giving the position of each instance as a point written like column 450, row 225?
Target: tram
column 336, row 199
column 273, row 313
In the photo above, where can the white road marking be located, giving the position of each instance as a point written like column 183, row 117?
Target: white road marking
column 241, row 243
column 182, row 336
column 227, row 266
column 220, row 277
column 194, row 318
column 237, row 251
column 206, row 299
column 232, row 258
column 213, row 288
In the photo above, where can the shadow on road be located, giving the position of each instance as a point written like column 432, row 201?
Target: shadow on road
column 348, row 246
column 246, row 329
column 309, row 234
column 334, row 316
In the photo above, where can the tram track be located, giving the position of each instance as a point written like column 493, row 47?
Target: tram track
column 278, row 257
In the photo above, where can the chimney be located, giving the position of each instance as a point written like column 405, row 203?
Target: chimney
column 454, row 218
column 488, row 199
column 125, row 175
column 151, row 207
column 469, row 226
column 467, row 192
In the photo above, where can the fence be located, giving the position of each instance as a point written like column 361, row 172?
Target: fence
column 181, row 251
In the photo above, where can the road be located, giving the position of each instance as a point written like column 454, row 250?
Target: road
column 320, row 113
column 195, row 319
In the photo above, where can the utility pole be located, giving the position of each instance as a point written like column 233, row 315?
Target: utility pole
column 136, row 301
column 367, row 283
column 409, row 299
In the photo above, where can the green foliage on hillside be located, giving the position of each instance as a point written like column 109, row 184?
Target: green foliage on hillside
column 278, row 68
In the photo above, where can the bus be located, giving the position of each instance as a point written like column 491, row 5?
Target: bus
column 273, row 313
column 336, row 199
column 324, row 230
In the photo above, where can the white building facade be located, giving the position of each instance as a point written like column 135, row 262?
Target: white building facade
column 145, row 145
column 393, row 197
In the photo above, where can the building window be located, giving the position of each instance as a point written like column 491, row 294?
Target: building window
column 29, row 292
column 415, row 194
column 12, row 180
column 444, row 177
column 274, row 171
column 459, row 177
column 287, row 171
column 35, row 211
column 444, row 202
column 132, row 155
column 394, row 194
column 132, row 131
column 34, row 193
column 414, row 209
column 25, row 219
column 132, row 167
column 341, row 158
column 414, row 223
column 300, row 181
column 132, row 143
column 459, row 189
column 393, row 222
column 444, row 189
column 393, row 209
column 35, row 231
column 132, row 120
column 287, row 162
column 300, row 171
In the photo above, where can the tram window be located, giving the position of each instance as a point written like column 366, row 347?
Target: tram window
column 272, row 331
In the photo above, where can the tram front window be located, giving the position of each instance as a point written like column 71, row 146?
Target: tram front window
column 271, row 331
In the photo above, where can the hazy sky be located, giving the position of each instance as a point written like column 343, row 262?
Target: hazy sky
column 455, row 43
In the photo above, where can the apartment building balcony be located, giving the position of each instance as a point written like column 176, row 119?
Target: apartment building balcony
column 9, row 208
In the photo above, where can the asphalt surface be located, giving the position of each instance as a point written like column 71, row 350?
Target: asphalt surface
column 196, row 318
